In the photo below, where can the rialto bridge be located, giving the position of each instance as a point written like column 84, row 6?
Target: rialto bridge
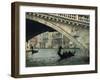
column 74, row 27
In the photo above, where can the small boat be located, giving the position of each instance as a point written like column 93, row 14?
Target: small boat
column 34, row 51
column 66, row 54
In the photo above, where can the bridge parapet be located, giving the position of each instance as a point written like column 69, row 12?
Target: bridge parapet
column 62, row 19
column 75, row 17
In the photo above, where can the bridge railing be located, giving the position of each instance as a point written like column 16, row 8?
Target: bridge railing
column 52, row 17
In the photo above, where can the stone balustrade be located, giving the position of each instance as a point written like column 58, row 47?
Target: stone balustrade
column 62, row 19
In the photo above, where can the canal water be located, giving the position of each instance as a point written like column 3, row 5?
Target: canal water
column 49, row 57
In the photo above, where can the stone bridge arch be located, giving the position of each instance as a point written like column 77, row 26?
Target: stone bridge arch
column 59, row 29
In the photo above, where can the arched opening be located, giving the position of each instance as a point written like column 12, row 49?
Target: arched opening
column 34, row 28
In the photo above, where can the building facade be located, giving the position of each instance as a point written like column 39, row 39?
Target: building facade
column 50, row 40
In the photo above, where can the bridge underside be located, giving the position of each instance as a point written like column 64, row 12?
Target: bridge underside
column 34, row 28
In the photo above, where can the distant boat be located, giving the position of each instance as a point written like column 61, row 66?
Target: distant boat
column 34, row 51
column 75, row 36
